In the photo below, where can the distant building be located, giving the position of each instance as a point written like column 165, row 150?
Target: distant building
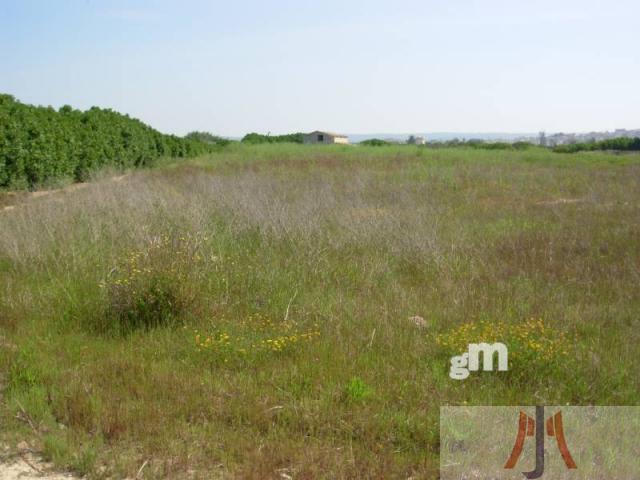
column 542, row 139
column 325, row 138
column 416, row 140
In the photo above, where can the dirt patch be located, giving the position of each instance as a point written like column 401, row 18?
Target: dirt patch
column 28, row 466
column 9, row 200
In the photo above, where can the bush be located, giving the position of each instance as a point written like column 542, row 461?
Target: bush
column 206, row 137
column 375, row 142
column 256, row 138
column 153, row 287
column 493, row 146
column 522, row 145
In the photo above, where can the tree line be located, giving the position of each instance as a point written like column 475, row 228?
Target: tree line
column 207, row 137
column 624, row 144
column 255, row 138
column 41, row 143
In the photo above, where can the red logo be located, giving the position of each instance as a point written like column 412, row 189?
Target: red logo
column 528, row 427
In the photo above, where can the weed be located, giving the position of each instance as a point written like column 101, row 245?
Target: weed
column 255, row 336
column 357, row 390
column 534, row 347
column 153, row 286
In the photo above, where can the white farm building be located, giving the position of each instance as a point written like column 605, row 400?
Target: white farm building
column 325, row 137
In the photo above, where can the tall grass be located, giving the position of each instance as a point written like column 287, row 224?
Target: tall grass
column 247, row 314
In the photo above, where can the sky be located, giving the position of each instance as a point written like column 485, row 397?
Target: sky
column 237, row 66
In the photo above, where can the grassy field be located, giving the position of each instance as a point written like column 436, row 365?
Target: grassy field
column 249, row 314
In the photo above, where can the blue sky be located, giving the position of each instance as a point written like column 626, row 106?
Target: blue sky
column 351, row 66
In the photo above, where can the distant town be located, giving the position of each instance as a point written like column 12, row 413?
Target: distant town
column 571, row 138
column 542, row 138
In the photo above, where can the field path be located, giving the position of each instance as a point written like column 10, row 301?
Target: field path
column 29, row 467
column 20, row 198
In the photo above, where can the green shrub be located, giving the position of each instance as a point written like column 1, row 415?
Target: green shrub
column 375, row 142
column 149, row 304
column 206, row 137
column 255, row 138
column 153, row 287
column 522, row 145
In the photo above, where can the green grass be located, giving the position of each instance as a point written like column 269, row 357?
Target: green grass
column 247, row 314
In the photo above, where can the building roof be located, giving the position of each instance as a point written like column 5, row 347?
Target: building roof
column 331, row 134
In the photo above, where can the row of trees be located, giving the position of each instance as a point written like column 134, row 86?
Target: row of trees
column 620, row 144
column 40, row 143
column 616, row 144
column 375, row 142
column 207, row 137
column 255, row 138
column 473, row 143
column 480, row 144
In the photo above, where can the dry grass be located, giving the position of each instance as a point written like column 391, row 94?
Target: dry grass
column 268, row 243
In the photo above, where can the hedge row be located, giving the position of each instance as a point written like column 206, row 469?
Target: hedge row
column 41, row 143
column 256, row 138
column 623, row 144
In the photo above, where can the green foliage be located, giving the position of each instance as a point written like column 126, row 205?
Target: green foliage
column 255, row 138
column 39, row 143
column 522, row 145
column 206, row 137
column 357, row 389
column 375, row 142
column 480, row 144
column 492, row 145
column 147, row 289
column 23, row 372
column 58, row 449
column 55, row 449
column 154, row 304
column 620, row 144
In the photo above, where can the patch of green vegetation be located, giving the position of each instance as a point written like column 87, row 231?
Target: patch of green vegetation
column 357, row 390
column 257, row 138
column 374, row 142
column 623, row 144
column 206, row 137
